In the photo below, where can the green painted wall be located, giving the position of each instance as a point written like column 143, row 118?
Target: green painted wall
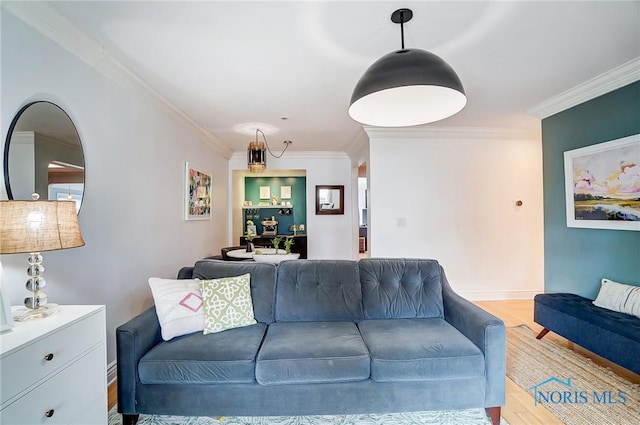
column 298, row 200
column 576, row 259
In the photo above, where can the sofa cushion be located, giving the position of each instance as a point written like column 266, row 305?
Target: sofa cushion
column 178, row 306
column 318, row 291
column 401, row 288
column 312, row 352
column 263, row 281
column 227, row 303
column 223, row 357
column 419, row 349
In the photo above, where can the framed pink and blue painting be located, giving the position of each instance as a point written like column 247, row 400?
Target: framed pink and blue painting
column 602, row 185
column 197, row 203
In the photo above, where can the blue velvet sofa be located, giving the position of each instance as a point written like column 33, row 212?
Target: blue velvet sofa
column 610, row 334
column 333, row 337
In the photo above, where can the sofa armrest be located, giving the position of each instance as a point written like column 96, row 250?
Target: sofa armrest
column 185, row 273
column 133, row 340
column 487, row 332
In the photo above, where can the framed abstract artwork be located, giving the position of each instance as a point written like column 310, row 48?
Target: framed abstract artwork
column 602, row 185
column 197, row 203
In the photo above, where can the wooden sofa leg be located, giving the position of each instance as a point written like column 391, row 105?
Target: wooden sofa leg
column 129, row 419
column 493, row 413
column 542, row 333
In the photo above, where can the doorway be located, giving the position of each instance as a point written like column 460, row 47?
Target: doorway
column 271, row 204
column 363, row 212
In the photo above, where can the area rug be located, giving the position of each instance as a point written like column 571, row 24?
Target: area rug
column 444, row 417
column 569, row 385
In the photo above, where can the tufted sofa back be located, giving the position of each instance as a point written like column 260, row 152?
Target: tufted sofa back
column 401, row 288
column 263, row 281
column 336, row 290
column 318, row 290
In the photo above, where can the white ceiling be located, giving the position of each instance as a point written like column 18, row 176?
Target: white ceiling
column 225, row 63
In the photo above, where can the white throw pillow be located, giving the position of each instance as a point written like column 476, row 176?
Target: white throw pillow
column 227, row 303
column 619, row 297
column 178, row 305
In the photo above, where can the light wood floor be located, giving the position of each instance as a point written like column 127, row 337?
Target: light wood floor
column 519, row 409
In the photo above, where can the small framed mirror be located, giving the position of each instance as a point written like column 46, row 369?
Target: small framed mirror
column 329, row 200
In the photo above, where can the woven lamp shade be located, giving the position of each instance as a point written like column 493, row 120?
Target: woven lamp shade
column 37, row 226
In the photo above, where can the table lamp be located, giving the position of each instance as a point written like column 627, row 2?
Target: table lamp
column 33, row 227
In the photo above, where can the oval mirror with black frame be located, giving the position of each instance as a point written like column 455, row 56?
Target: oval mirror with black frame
column 43, row 154
column 329, row 200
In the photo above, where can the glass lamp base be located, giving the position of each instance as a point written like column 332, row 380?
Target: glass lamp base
column 25, row 314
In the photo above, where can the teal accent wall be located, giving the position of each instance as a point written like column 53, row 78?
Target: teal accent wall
column 576, row 259
column 298, row 200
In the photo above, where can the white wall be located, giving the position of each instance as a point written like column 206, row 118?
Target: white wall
column 132, row 214
column 328, row 236
column 450, row 195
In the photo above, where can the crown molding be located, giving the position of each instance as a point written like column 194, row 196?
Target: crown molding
column 45, row 18
column 357, row 148
column 611, row 80
column 302, row 155
column 447, row 133
column 317, row 155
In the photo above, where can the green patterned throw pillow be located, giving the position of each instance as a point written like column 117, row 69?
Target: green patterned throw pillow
column 227, row 303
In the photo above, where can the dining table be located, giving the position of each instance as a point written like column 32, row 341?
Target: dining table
column 264, row 255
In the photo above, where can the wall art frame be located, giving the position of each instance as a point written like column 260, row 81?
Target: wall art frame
column 329, row 200
column 285, row 192
column 197, row 202
column 602, row 185
column 265, row 192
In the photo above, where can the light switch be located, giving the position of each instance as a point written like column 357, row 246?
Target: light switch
column 402, row 222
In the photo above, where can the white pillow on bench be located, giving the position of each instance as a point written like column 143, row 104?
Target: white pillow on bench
column 619, row 297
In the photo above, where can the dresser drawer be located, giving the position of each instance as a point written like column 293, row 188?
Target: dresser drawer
column 29, row 365
column 96, row 414
column 67, row 394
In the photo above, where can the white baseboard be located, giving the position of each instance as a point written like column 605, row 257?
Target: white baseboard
column 500, row 295
column 112, row 372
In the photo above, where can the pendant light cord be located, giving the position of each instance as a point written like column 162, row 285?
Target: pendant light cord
column 402, row 28
column 286, row 142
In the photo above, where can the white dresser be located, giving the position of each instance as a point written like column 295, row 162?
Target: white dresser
column 54, row 370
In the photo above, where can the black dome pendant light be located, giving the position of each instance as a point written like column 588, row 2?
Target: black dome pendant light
column 406, row 87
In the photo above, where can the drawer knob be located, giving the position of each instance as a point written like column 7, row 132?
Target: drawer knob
column 49, row 413
column 48, row 357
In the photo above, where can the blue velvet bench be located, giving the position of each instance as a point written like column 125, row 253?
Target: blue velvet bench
column 609, row 334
